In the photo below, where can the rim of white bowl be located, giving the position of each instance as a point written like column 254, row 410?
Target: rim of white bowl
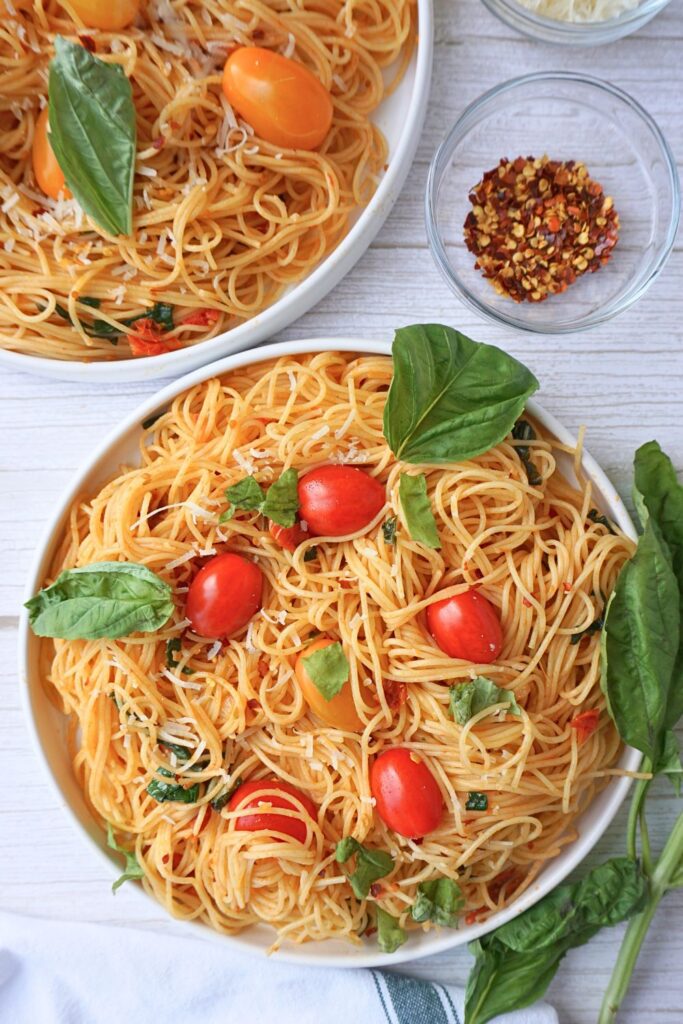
column 433, row 942
column 303, row 295
column 459, row 132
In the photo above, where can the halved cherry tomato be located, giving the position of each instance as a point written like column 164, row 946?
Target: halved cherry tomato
column 288, row 537
column 45, row 167
column 254, row 794
column 202, row 317
column 224, row 595
column 148, row 339
column 337, row 500
column 586, row 723
column 466, row 626
column 110, row 15
column 280, row 98
column 339, row 712
column 408, row 798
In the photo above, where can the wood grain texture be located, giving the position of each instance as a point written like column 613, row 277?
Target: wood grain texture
column 624, row 380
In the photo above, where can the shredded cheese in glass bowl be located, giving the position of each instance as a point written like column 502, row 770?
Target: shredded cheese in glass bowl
column 576, row 22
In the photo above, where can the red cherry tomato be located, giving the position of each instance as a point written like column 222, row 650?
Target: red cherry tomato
column 337, row 500
column 408, row 798
column 202, row 317
column 466, row 626
column 252, row 794
column 223, row 596
column 148, row 339
column 281, row 99
column 288, row 537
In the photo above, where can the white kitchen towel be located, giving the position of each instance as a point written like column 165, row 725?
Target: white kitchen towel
column 53, row 972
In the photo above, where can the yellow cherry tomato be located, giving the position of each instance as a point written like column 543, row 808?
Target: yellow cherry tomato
column 45, row 167
column 281, row 99
column 110, row 15
column 339, row 712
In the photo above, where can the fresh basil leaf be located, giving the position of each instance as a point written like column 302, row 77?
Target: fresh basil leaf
column 282, row 499
column 132, row 869
column 390, row 935
column 669, row 761
column 516, row 962
column 389, row 530
column 596, row 517
column 280, row 502
column 477, row 802
column 105, row 599
column 182, row 753
column 93, row 134
column 164, row 792
column 523, row 431
column 371, row 865
column 440, row 900
column 161, row 313
column 417, row 511
column 451, row 398
column 311, row 554
column 468, row 699
column 328, row 669
column 640, row 644
column 658, row 494
column 220, row 800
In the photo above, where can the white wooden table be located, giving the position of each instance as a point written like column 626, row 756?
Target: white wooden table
column 625, row 380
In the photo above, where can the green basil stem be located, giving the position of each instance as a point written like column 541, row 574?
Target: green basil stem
column 663, row 878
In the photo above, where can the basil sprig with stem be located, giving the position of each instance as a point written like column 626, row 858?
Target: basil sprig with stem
column 93, row 134
column 641, row 675
column 104, row 599
column 451, row 398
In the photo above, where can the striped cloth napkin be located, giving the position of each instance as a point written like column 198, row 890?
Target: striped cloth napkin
column 52, row 972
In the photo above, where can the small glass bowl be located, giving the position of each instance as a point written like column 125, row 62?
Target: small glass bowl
column 574, row 33
column 569, row 117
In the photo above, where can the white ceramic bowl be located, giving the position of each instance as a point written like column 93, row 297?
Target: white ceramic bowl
column 48, row 726
column 400, row 117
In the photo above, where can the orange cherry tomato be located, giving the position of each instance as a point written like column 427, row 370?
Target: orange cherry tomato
column 109, row 15
column 47, row 171
column 408, row 798
column 337, row 500
column 224, row 595
column 466, row 626
column 264, row 819
column 340, row 712
column 288, row 537
column 281, row 99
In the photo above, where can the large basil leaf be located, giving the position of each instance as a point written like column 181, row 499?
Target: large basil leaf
column 451, row 398
column 468, row 699
column 92, row 133
column 640, row 642
column 105, row 599
column 669, row 761
column 658, row 494
column 417, row 512
column 516, row 963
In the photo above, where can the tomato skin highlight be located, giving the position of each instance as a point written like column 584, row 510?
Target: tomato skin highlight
column 340, row 712
column 224, row 595
column 281, row 99
column 47, row 171
column 408, row 798
column 466, row 626
column 250, row 794
column 337, row 500
column 110, row 15
column 288, row 537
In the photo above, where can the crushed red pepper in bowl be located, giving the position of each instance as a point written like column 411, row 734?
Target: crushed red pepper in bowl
column 537, row 224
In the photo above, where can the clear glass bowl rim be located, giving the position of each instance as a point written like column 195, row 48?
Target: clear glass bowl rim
column 578, row 31
column 460, row 130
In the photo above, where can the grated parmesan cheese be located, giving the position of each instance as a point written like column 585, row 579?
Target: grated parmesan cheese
column 184, row 684
column 580, row 10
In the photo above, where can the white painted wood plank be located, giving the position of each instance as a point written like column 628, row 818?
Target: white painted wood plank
column 624, row 380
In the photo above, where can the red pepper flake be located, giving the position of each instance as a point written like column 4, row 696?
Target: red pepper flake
column 376, row 890
column 496, row 886
column 203, row 317
column 88, row 42
column 585, row 724
column 159, row 142
column 263, row 667
column 253, row 704
column 473, row 915
column 526, row 602
column 396, row 694
column 567, row 587
column 537, row 224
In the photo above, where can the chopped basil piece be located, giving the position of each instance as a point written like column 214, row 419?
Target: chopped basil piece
column 595, row 627
column 417, row 510
column 280, row 502
column 468, row 699
column 477, row 802
column 390, row 935
column 154, row 418
column 132, row 869
column 440, row 900
column 218, row 802
column 523, row 431
column 371, row 865
column 311, row 554
column 164, row 792
column 389, row 530
column 596, row 517
column 328, row 669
